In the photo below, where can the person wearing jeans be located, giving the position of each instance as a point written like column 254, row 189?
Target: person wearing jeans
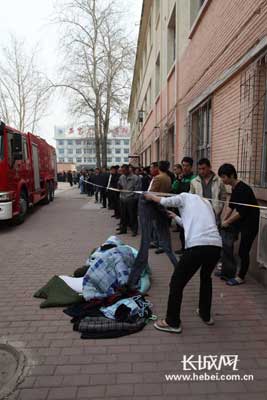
column 239, row 218
column 152, row 217
column 203, row 245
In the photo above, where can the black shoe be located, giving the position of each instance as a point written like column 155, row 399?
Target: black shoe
column 207, row 322
column 103, row 207
column 179, row 252
column 159, row 251
column 134, row 234
column 113, row 216
column 153, row 246
column 121, row 232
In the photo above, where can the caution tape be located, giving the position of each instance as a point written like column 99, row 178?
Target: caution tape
column 171, row 195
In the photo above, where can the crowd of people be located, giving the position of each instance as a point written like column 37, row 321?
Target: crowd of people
column 208, row 226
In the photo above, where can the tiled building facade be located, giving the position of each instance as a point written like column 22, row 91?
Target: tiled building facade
column 199, row 85
column 77, row 146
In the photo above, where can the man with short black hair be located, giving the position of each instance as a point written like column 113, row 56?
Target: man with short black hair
column 241, row 219
column 184, row 187
column 207, row 184
column 129, row 201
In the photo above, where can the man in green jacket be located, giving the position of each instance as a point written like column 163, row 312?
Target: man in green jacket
column 182, row 187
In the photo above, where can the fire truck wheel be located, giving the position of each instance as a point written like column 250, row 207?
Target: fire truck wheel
column 20, row 218
column 51, row 191
column 46, row 199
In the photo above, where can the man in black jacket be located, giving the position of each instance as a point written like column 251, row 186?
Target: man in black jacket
column 243, row 219
column 103, row 179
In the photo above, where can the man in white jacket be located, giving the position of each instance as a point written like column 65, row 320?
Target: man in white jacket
column 207, row 184
column 202, row 250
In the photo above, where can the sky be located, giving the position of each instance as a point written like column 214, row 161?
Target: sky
column 30, row 20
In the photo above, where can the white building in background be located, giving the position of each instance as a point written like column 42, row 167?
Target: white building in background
column 77, row 146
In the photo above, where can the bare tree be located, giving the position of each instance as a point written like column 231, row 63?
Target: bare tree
column 98, row 64
column 24, row 90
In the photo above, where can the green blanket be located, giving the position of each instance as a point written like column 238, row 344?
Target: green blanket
column 57, row 293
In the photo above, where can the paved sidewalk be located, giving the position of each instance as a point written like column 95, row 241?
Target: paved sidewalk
column 55, row 239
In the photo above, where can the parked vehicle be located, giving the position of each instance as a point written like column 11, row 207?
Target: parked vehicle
column 27, row 173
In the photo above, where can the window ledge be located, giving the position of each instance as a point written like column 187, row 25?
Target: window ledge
column 171, row 69
column 199, row 17
column 157, row 19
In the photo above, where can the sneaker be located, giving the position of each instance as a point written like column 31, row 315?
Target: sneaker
column 179, row 252
column 159, row 251
column 209, row 322
column 235, row 281
column 162, row 325
column 219, row 274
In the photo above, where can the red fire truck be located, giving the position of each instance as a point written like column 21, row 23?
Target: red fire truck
column 27, row 173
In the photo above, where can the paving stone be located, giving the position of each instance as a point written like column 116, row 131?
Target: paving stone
column 55, row 240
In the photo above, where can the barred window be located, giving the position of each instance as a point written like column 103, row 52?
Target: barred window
column 201, row 131
column 252, row 140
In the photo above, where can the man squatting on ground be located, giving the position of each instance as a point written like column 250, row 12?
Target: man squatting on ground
column 202, row 250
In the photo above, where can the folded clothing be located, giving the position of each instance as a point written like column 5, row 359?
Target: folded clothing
column 57, row 293
column 129, row 309
column 102, row 327
column 75, row 284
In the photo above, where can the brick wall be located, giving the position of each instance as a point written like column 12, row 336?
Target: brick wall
column 226, row 32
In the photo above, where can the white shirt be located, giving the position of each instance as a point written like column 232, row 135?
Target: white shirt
column 197, row 219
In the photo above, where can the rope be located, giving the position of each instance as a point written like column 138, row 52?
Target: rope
column 172, row 194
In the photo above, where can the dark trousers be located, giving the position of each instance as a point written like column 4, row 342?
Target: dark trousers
column 182, row 238
column 104, row 197
column 129, row 209
column 151, row 215
column 97, row 192
column 204, row 257
column 229, row 264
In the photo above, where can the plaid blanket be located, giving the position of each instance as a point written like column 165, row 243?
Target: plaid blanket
column 108, row 269
column 103, row 324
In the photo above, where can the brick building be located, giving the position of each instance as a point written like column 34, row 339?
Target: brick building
column 199, row 85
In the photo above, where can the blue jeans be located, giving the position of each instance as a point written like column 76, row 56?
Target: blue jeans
column 151, row 216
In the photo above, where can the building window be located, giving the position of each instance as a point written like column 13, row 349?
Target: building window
column 70, row 160
column 148, row 99
column 79, row 159
column 109, row 151
column 78, row 151
column 157, row 8
column 118, row 151
column 78, row 142
column 171, row 37
column 109, row 142
column 118, row 159
column 195, row 6
column 126, row 151
column 61, row 142
column 109, row 160
column 201, row 131
column 126, row 142
column 157, row 76
column 157, row 145
column 70, row 142
column 252, row 139
column 70, row 151
column 61, row 159
column 60, row 151
column 126, row 159
column 117, row 142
